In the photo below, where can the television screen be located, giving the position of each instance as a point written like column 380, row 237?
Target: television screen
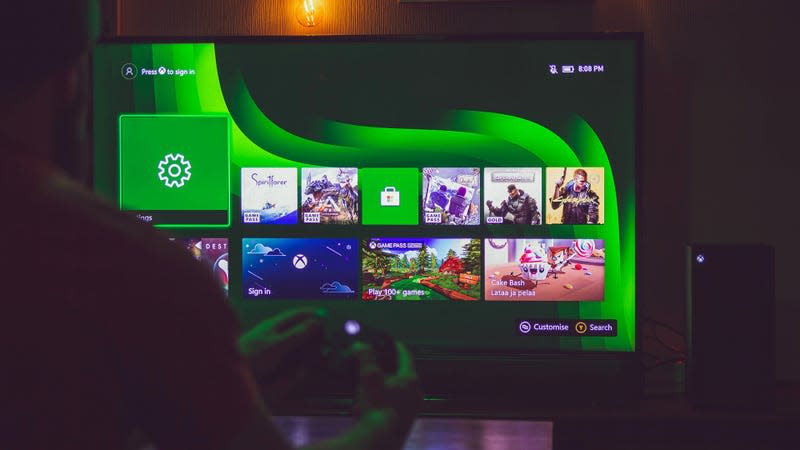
column 460, row 193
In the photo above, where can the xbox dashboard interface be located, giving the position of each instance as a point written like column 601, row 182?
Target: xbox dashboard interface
column 487, row 186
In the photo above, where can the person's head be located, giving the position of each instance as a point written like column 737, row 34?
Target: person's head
column 513, row 192
column 44, row 88
column 462, row 191
column 579, row 177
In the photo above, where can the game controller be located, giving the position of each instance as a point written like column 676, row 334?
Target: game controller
column 332, row 356
column 337, row 347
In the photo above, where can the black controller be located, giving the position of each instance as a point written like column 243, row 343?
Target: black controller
column 338, row 340
column 333, row 356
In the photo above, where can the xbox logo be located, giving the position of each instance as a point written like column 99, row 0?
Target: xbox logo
column 300, row 261
column 372, row 245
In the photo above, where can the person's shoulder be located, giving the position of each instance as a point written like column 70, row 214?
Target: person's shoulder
column 91, row 252
column 75, row 207
column 49, row 208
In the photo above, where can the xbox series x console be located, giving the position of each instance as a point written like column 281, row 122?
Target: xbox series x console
column 731, row 327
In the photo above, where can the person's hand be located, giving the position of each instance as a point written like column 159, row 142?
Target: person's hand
column 268, row 345
column 398, row 395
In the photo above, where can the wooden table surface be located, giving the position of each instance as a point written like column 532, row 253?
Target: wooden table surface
column 431, row 433
column 655, row 424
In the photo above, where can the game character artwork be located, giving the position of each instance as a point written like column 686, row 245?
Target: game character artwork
column 579, row 200
column 451, row 196
column 269, row 196
column 421, row 269
column 299, row 268
column 330, row 195
column 212, row 252
column 513, row 195
column 545, row 269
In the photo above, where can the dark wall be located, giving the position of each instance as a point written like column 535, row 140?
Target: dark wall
column 743, row 145
column 717, row 157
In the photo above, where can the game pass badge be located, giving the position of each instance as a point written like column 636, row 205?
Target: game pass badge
column 311, row 217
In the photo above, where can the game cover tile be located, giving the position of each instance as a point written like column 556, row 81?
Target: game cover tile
column 513, row 195
column 544, row 269
column 269, row 196
column 212, row 252
column 451, row 196
column 420, row 269
column 575, row 195
column 300, row 268
column 330, row 195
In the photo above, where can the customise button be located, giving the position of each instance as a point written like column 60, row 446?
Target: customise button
column 586, row 328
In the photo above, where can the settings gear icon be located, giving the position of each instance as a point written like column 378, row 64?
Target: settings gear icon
column 174, row 170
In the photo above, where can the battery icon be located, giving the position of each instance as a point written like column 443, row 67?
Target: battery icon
column 567, row 69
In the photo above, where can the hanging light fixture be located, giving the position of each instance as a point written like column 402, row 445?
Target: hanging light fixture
column 308, row 12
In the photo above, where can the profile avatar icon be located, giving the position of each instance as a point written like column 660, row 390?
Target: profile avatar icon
column 128, row 71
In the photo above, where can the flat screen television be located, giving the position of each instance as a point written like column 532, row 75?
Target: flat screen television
column 474, row 196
